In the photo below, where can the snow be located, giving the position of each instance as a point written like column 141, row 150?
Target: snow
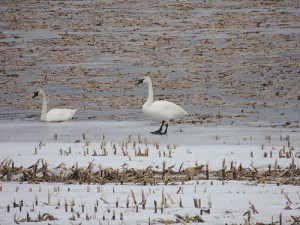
column 185, row 145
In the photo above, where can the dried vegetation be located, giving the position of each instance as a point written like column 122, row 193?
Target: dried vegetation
column 39, row 172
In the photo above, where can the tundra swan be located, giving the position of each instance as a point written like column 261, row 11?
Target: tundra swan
column 160, row 110
column 54, row 115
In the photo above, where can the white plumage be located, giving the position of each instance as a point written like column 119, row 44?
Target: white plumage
column 163, row 110
column 54, row 115
column 160, row 110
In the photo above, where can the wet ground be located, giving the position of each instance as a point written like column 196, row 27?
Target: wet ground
column 225, row 62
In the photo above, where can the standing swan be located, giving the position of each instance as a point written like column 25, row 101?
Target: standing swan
column 54, row 115
column 160, row 110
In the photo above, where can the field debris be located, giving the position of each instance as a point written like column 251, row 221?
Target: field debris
column 40, row 218
column 40, row 172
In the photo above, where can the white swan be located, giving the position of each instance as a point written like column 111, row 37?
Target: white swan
column 54, row 115
column 160, row 110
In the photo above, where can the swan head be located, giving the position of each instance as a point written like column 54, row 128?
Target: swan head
column 37, row 93
column 145, row 80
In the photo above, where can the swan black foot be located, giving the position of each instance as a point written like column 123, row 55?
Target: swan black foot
column 159, row 131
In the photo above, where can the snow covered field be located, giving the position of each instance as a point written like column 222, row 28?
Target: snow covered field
column 112, row 145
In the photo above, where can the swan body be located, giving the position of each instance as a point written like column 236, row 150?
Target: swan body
column 54, row 115
column 160, row 110
column 163, row 110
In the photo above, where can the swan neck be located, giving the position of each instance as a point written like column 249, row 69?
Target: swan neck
column 150, row 93
column 44, row 108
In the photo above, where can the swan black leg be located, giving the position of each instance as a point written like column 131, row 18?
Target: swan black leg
column 160, row 129
column 165, row 132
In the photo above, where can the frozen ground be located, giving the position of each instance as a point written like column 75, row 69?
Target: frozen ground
column 230, row 201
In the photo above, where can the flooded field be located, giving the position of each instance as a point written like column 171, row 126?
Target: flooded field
column 228, row 62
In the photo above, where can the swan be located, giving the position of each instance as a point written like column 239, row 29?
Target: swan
column 54, row 115
column 160, row 110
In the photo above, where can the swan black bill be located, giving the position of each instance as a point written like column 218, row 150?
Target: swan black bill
column 140, row 81
column 35, row 94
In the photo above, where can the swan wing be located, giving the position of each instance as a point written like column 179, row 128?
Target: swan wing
column 163, row 110
column 55, row 115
